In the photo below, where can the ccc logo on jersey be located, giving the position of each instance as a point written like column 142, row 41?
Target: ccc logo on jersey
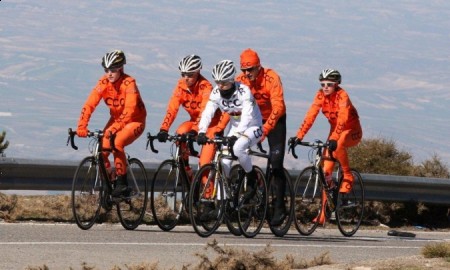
column 114, row 102
column 191, row 104
column 231, row 103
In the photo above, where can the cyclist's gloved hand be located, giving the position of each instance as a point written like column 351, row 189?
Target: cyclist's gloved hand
column 201, row 138
column 232, row 140
column 110, row 132
column 82, row 132
column 191, row 134
column 294, row 141
column 162, row 136
column 332, row 145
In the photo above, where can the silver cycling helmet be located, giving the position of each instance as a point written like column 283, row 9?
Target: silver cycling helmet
column 224, row 71
column 190, row 63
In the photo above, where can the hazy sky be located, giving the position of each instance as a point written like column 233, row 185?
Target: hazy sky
column 393, row 55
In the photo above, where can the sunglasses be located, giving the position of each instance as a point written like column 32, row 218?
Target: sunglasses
column 223, row 82
column 112, row 70
column 327, row 84
column 250, row 69
column 187, row 74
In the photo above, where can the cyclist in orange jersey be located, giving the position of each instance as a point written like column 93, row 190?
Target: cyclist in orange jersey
column 192, row 93
column 345, row 128
column 127, row 114
column 267, row 89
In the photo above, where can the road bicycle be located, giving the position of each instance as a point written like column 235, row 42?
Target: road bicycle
column 92, row 187
column 211, row 189
column 281, row 229
column 311, row 184
column 171, row 183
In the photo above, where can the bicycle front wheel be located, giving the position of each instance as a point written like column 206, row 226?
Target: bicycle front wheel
column 252, row 213
column 206, row 201
column 350, row 207
column 131, row 209
column 308, row 200
column 281, row 229
column 86, row 193
column 168, row 193
column 231, row 213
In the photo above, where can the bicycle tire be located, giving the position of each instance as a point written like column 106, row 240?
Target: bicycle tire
column 168, row 193
column 131, row 209
column 308, row 200
column 350, row 206
column 251, row 216
column 283, row 228
column 200, row 202
column 231, row 218
column 87, row 188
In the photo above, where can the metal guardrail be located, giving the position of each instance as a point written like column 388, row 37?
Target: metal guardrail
column 56, row 175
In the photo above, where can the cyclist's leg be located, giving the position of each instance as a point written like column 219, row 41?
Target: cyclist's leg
column 277, row 145
column 251, row 137
column 206, row 156
column 347, row 139
column 185, row 127
column 124, row 137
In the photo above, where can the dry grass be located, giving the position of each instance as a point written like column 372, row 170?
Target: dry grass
column 438, row 250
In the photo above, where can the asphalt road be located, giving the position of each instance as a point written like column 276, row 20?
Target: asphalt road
column 61, row 246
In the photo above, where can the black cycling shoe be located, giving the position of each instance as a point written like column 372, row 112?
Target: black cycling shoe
column 279, row 214
column 120, row 190
column 209, row 212
column 121, row 186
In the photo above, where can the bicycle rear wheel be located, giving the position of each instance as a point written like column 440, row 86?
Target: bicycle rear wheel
column 206, row 201
column 283, row 228
column 86, row 193
column 231, row 214
column 350, row 207
column 308, row 201
column 168, row 193
column 132, row 208
column 251, row 215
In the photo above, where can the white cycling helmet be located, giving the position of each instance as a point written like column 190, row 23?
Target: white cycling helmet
column 224, row 71
column 330, row 74
column 114, row 59
column 190, row 63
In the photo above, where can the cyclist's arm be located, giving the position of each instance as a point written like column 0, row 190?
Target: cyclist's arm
column 172, row 109
column 311, row 115
column 91, row 103
column 207, row 115
column 276, row 101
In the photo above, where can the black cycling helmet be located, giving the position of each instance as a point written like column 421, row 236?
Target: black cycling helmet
column 190, row 63
column 114, row 59
column 330, row 75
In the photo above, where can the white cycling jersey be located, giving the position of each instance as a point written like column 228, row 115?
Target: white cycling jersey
column 242, row 108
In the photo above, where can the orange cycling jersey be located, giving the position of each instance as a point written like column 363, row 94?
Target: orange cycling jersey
column 268, row 92
column 337, row 108
column 193, row 100
column 123, row 99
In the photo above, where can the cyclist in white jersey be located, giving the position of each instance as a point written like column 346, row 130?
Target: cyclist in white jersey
column 237, row 100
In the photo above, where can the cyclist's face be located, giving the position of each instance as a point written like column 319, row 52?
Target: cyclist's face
column 251, row 73
column 328, row 87
column 190, row 77
column 113, row 74
column 224, row 85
